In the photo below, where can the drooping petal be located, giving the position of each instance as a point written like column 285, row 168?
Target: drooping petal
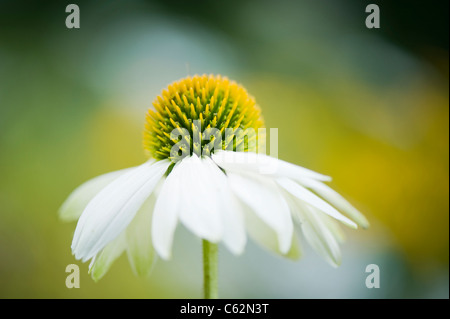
column 266, row 237
column 316, row 232
column 313, row 200
column 140, row 251
column 333, row 226
column 263, row 164
column 200, row 195
column 104, row 259
column 113, row 208
column 166, row 213
column 262, row 195
column 337, row 200
column 230, row 209
column 234, row 236
column 77, row 201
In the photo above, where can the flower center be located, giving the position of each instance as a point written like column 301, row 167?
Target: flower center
column 201, row 114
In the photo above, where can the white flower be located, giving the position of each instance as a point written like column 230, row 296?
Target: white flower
column 219, row 199
column 218, row 194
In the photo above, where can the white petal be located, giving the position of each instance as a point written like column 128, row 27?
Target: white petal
column 111, row 210
column 262, row 195
column 140, row 251
column 199, row 210
column 313, row 200
column 316, row 232
column 333, row 226
column 77, row 201
column 234, row 236
column 263, row 164
column 337, row 200
column 266, row 236
column 103, row 260
column 166, row 212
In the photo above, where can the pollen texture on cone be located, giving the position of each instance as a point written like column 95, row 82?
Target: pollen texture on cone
column 202, row 113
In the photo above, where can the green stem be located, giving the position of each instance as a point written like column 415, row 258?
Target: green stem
column 210, row 270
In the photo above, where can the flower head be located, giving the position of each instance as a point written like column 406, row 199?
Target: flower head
column 217, row 187
column 201, row 105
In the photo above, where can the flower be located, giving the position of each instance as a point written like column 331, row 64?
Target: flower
column 213, row 181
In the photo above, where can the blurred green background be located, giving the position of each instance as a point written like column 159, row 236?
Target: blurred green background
column 369, row 107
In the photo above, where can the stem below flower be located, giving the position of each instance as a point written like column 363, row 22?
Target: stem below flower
column 210, row 270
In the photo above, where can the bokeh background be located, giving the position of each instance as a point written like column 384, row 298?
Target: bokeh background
column 369, row 107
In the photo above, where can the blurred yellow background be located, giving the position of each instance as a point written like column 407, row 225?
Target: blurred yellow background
column 370, row 107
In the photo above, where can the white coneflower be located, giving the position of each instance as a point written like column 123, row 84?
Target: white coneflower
column 219, row 188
